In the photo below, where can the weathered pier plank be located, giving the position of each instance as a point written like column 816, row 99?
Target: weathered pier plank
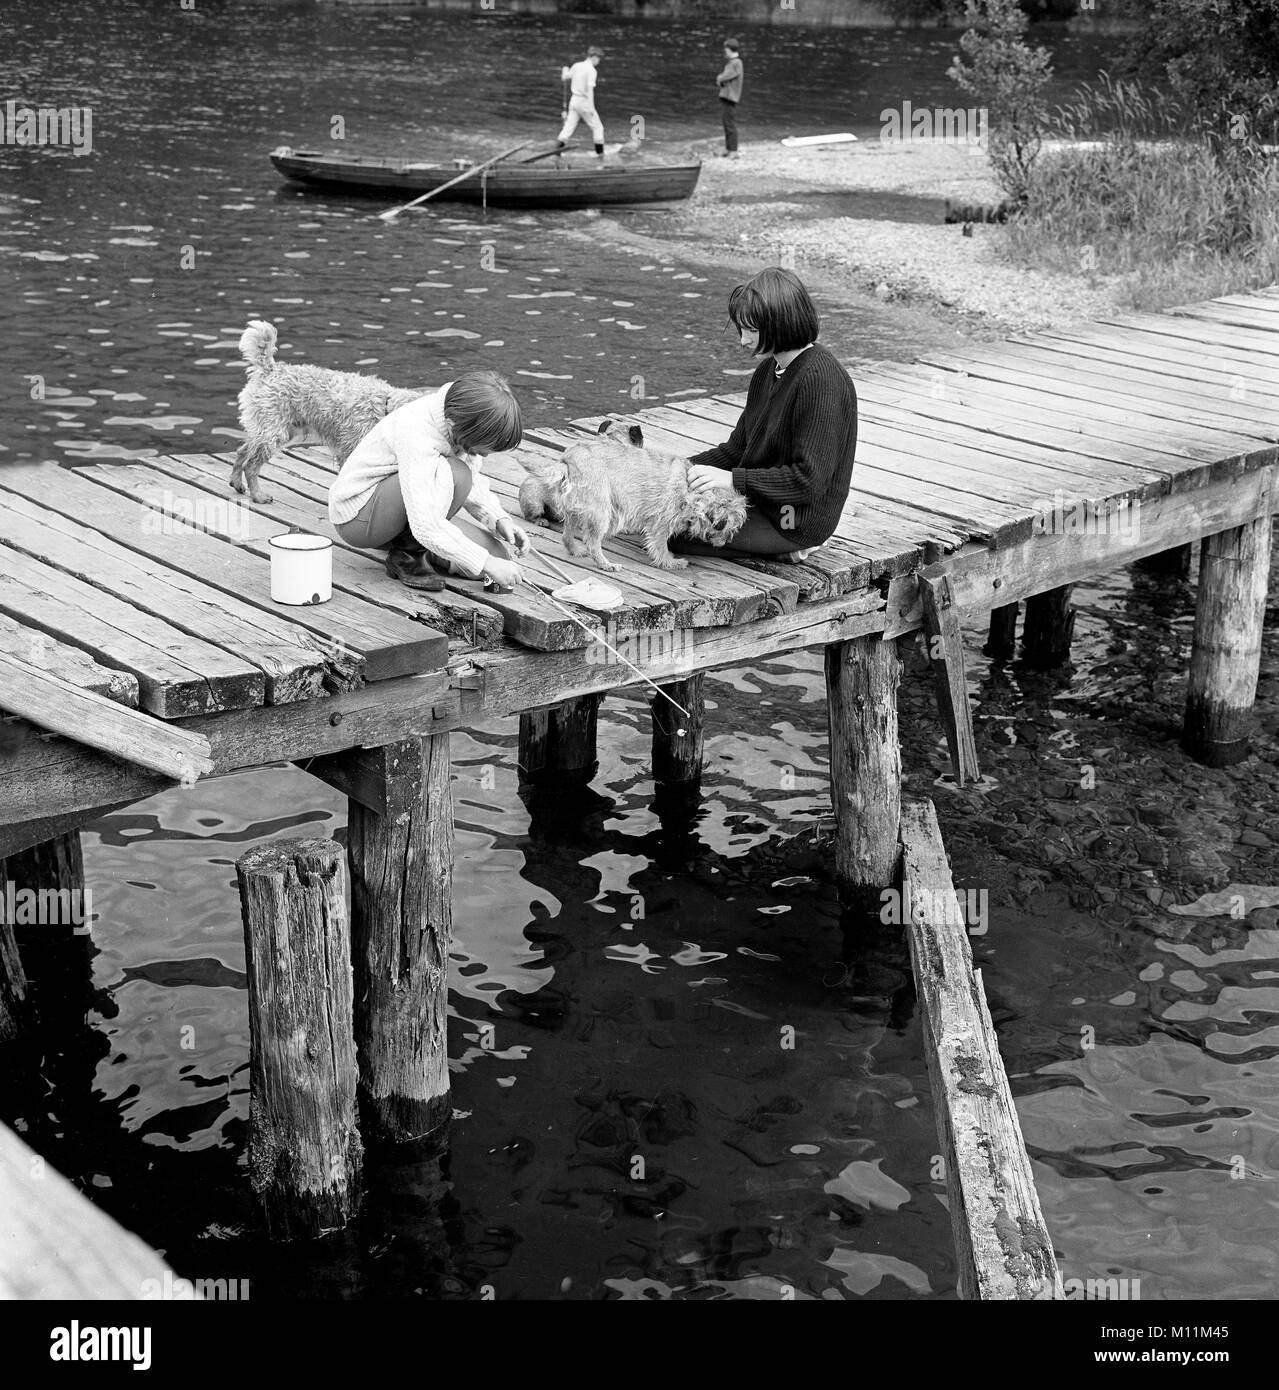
column 291, row 667
column 357, row 639
column 358, row 573
column 176, row 674
column 97, row 722
column 55, row 1244
column 527, row 617
column 1220, row 378
column 70, row 664
column 1003, row 1247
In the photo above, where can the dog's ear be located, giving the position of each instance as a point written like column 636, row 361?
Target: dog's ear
column 604, row 425
column 636, row 436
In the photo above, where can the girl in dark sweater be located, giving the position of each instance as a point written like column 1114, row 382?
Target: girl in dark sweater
column 791, row 452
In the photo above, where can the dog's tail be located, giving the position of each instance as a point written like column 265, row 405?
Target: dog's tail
column 552, row 472
column 257, row 347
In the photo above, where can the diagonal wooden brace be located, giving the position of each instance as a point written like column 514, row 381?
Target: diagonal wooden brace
column 946, row 653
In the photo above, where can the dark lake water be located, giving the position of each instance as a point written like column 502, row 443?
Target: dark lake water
column 765, row 1170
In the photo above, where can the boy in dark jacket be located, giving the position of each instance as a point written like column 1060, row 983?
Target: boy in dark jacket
column 730, row 94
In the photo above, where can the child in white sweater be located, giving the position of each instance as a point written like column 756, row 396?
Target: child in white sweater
column 417, row 468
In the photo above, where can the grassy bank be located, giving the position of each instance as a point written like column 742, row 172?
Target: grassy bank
column 1135, row 188
column 1170, row 220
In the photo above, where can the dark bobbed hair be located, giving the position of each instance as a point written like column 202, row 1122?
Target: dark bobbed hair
column 778, row 307
column 482, row 412
column 733, row 44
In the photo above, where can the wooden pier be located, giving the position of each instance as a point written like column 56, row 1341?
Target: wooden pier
column 139, row 645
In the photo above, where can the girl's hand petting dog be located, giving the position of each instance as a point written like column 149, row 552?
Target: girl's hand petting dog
column 703, row 478
column 506, row 530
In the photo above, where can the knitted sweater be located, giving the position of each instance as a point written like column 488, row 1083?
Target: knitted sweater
column 791, row 451
column 412, row 442
column 730, row 80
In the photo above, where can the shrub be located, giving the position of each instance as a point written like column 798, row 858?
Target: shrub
column 1220, row 58
column 1004, row 74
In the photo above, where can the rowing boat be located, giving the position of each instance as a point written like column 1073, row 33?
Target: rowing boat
column 558, row 183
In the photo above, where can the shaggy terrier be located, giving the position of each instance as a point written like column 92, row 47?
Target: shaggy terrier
column 283, row 404
column 611, row 485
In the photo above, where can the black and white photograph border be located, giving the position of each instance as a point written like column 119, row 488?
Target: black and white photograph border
column 637, row 659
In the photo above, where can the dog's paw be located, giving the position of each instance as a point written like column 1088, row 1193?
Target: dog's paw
column 607, row 566
column 674, row 563
column 261, row 499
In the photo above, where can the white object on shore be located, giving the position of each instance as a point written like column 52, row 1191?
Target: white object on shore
column 843, row 138
column 301, row 568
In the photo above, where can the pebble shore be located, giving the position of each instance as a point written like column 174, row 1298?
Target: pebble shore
column 775, row 204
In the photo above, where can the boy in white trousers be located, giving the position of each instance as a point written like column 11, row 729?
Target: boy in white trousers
column 581, row 106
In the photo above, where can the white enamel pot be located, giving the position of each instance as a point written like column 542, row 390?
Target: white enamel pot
column 301, row 568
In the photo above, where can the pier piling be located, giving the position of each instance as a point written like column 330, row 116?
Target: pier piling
column 13, row 986
column 1174, row 562
column 862, row 676
column 558, row 742
column 401, row 861
column 54, row 870
column 1225, row 658
column 1048, row 629
column 1001, row 640
column 304, row 1144
column 677, row 740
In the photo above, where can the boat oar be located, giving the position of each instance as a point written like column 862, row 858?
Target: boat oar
column 474, row 169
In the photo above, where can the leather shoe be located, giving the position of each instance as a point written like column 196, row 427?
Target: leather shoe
column 412, row 568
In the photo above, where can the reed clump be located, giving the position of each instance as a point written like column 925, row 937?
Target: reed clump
column 1144, row 193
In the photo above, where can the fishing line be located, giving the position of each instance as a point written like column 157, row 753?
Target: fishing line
column 657, row 689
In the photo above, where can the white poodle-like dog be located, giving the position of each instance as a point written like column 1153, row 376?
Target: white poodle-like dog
column 283, row 404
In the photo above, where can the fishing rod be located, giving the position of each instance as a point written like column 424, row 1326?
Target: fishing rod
column 546, row 593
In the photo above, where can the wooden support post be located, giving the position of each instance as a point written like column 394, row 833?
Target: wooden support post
column 1002, row 1245
column 678, row 740
column 1174, row 562
column 1048, row 629
column 54, row 863
column 862, row 676
column 13, row 982
column 304, row 1144
column 1001, row 640
column 54, row 870
column 945, row 643
column 558, row 743
column 1234, row 569
column 401, row 908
